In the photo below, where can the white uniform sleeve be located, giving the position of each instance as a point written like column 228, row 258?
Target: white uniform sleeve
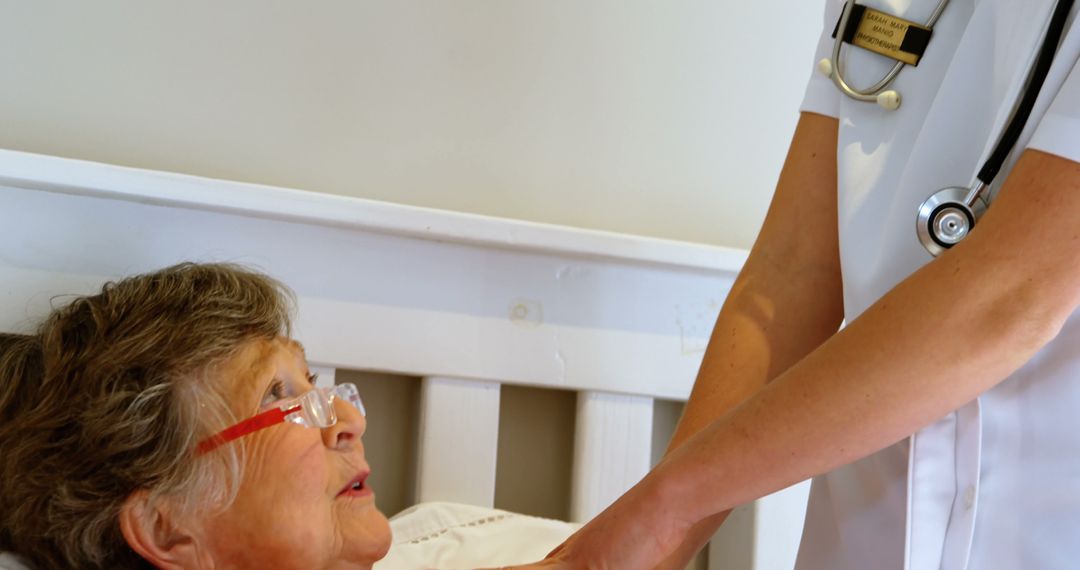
column 822, row 97
column 1059, row 131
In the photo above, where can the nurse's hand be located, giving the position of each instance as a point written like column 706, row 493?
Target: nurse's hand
column 637, row 532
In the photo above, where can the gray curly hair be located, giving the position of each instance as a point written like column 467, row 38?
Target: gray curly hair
column 111, row 396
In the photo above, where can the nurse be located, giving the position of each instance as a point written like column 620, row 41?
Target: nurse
column 941, row 424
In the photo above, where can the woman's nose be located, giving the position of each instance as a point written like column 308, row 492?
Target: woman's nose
column 349, row 428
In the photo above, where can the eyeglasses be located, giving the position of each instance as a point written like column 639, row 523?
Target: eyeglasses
column 314, row 408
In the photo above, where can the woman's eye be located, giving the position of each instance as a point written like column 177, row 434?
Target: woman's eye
column 277, row 391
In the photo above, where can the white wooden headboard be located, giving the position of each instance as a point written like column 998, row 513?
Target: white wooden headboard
column 467, row 303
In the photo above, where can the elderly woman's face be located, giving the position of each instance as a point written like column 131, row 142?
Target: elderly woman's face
column 297, row 506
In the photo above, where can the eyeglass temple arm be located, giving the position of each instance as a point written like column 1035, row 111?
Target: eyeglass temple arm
column 252, row 424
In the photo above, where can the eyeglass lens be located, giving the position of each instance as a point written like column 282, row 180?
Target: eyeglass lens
column 318, row 404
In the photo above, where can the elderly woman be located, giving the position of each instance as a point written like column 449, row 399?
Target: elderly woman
column 171, row 422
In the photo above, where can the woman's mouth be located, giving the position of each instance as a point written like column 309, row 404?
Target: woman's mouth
column 357, row 486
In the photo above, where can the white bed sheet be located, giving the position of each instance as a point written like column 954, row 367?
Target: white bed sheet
column 450, row 536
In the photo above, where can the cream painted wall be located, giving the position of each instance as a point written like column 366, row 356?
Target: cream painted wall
column 664, row 118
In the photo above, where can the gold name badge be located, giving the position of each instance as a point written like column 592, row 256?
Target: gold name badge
column 887, row 35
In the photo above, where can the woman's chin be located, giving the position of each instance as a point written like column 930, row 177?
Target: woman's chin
column 368, row 537
column 387, row 537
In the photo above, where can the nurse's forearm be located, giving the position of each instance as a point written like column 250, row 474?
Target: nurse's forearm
column 949, row 332
column 787, row 300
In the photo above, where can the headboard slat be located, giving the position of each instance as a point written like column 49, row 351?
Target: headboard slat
column 612, row 449
column 459, row 438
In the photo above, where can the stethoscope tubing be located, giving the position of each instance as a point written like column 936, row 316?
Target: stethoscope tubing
column 1019, row 119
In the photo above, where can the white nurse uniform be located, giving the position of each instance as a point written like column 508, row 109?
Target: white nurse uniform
column 995, row 484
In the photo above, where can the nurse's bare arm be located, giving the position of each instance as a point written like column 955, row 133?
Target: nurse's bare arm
column 950, row 331
column 786, row 301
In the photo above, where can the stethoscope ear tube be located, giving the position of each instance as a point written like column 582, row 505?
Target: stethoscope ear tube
column 888, row 99
column 950, row 214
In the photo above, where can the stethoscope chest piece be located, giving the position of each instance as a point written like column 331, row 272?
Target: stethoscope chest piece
column 946, row 218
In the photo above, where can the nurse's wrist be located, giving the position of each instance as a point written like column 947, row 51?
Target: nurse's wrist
column 679, row 494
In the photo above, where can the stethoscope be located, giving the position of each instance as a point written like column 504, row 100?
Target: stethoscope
column 950, row 214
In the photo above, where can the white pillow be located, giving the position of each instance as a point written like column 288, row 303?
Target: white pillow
column 449, row 536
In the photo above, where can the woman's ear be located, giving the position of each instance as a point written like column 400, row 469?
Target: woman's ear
column 152, row 531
